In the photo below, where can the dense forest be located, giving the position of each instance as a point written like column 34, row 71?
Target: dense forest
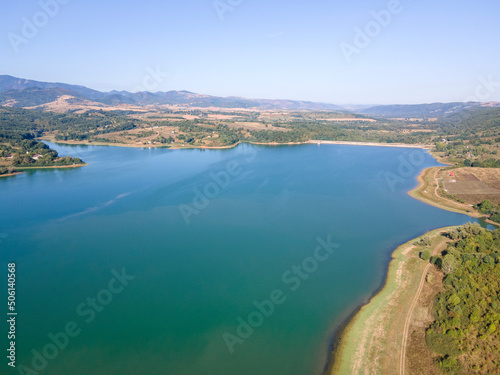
column 18, row 121
column 18, row 130
column 470, row 137
column 466, row 330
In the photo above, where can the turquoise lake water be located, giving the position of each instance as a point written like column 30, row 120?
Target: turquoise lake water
column 202, row 240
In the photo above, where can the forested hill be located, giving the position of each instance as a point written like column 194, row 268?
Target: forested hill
column 433, row 110
column 473, row 121
column 18, row 122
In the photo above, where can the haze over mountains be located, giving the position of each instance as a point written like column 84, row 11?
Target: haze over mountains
column 19, row 92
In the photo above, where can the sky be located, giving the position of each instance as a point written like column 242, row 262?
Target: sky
column 341, row 52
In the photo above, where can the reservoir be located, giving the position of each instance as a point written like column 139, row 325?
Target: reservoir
column 186, row 262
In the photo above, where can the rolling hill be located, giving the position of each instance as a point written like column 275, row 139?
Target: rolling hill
column 18, row 92
column 22, row 93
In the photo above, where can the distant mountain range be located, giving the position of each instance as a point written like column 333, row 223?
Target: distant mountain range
column 19, row 92
column 422, row 110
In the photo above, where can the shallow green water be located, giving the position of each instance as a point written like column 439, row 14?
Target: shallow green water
column 197, row 276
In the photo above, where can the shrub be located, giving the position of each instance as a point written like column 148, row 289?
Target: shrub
column 485, row 207
column 442, row 344
column 425, row 255
column 449, row 365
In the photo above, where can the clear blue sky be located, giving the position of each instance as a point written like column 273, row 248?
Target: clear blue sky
column 429, row 51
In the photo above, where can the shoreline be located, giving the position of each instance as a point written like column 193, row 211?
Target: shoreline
column 53, row 167
column 341, row 330
column 10, row 174
column 373, row 144
column 426, row 191
column 343, row 344
column 348, row 143
column 130, row 145
column 76, row 143
column 340, row 343
column 20, row 170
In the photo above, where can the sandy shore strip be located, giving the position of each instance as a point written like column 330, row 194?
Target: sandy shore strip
column 96, row 143
column 176, row 147
column 374, row 340
column 134, row 145
column 54, row 166
column 278, row 143
column 112, row 144
column 10, row 174
column 401, row 145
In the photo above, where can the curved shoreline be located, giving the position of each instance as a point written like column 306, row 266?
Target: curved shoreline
column 338, row 344
column 432, row 198
column 374, row 144
column 10, row 174
column 341, row 329
column 344, row 344
column 53, row 167
column 427, row 181
column 311, row 141
column 20, row 170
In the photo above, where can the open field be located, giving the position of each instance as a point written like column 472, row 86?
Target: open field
column 385, row 335
column 472, row 185
column 427, row 191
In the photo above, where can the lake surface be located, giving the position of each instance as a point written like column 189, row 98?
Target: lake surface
column 206, row 245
